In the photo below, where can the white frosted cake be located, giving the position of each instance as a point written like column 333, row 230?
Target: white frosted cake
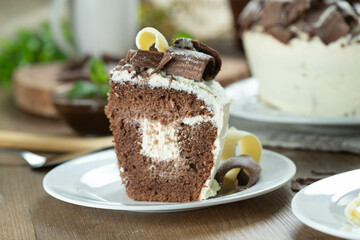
column 305, row 54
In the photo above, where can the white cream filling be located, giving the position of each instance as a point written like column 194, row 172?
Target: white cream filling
column 216, row 102
column 159, row 141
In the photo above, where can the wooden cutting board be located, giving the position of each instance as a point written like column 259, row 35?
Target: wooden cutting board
column 33, row 85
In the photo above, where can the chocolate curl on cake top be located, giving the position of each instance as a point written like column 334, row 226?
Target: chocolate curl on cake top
column 198, row 62
column 285, row 19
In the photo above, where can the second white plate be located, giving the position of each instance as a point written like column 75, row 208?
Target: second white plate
column 321, row 205
column 246, row 104
column 94, row 181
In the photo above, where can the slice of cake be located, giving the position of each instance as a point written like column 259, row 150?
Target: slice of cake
column 169, row 119
column 305, row 54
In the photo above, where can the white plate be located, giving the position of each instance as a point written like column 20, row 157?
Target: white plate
column 94, row 181
column 321, row 205
column 246, row 104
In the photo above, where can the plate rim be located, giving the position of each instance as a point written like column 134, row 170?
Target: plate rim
column 172, row 207
column 317, row 226
column 290, row 118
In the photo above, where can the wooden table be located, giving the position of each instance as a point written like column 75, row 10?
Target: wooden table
column 27, row 212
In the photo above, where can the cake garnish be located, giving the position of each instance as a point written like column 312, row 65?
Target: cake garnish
column 284, row 20
column 187, row 58
column 352, row 211
column 247, row 176
column 248, row 144
column 149, row 36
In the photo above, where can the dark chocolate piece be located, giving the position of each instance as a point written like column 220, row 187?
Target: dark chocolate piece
column 323, row 172
column 330, row 20
column 333, row 27
column 273, row 14
column 166, row 58
column 281, row 34
column 212, row 70
column 295, row 187
column 189, row 64
column 146, row 59
column 250, row 14
column 308, row 180
column 295, row 9
column 348, row 12
column 203, row 63
column 244, row 162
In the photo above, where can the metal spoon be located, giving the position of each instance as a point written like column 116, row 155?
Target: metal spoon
column 38, row 161
column 34, row 160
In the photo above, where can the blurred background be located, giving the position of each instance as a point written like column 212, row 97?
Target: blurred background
column 55, row 54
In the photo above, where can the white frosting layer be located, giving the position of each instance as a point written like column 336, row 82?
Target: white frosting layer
column 306, row 76
column 215, row 100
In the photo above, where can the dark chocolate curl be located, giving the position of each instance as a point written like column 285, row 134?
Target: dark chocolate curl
column 211, row 70
column 189, row 64
column 243, row 180
column 146, row 59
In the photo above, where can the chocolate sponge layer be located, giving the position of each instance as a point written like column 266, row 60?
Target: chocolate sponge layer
column 146, row 179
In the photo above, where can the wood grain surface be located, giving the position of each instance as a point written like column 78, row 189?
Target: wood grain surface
column 27, row 212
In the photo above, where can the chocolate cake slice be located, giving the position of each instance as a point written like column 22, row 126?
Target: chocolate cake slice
column 168, row 122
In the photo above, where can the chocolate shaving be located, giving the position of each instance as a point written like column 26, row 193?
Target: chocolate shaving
column 211, row 70
column 146, row 59
column 323, row 172
column 166, row 58
column 308, row 180
column 295, row 187
column 244, row 162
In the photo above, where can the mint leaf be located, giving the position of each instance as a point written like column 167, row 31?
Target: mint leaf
column 104, row 89
column 182, row 34
column 82, row 89
column 97, row 71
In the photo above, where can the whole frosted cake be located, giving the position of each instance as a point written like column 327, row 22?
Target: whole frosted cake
column 169, row 118
column 305, row 54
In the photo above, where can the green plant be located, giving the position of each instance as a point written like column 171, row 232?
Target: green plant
column 27, row 47
column 182, row 34
column 98, row 85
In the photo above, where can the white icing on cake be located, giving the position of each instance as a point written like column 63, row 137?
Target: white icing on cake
column 216, row 102
column 306, row 76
